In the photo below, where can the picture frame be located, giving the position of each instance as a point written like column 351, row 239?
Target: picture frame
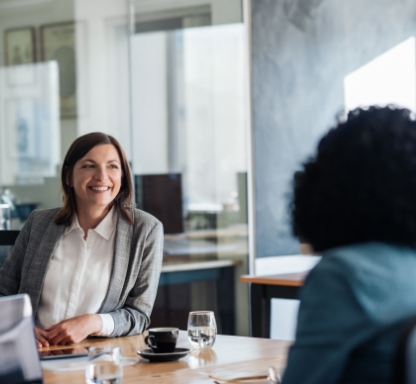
column 19, row 46
column 58, row 43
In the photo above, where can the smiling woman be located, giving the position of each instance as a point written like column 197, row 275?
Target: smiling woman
column 91, row 267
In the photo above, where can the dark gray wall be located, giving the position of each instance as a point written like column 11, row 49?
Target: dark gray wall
column 302, row 51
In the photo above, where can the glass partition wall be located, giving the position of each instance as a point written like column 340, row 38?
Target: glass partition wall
column 167, row 79
column 38, row 101
column 188, row 89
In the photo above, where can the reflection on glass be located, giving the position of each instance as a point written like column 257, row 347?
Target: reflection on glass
column 29, row 123
column 188, row 113
column 188, row 85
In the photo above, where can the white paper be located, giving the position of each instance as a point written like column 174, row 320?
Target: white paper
column 65, row 364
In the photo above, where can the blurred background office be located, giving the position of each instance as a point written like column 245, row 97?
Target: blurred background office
column 216, row 103
column 167, row 79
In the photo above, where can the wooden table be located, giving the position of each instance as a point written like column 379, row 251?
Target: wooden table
column 262, row 290
column 230, row 354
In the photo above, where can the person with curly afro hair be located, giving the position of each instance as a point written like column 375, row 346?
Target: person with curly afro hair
column 354, row 201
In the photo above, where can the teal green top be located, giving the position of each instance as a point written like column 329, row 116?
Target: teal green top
column 353, row 305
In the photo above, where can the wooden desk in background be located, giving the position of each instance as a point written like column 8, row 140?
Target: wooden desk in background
column 231, row 354
column 262, row 290
column 218, row 233
column 208, row 256
column 221, row 272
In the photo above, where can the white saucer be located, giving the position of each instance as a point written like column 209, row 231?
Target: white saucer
column 127, row 360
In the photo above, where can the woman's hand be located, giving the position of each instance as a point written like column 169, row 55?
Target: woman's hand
column 41, row 338
column 74, row 330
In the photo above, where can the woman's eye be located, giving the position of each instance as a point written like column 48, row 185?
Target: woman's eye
column 113, row 166
column 87, row 166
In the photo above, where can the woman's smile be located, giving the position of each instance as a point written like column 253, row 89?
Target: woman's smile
column 99, row 189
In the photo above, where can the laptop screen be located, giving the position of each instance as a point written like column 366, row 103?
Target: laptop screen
column 19, row 357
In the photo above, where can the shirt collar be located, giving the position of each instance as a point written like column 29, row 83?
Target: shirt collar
column 105, row 229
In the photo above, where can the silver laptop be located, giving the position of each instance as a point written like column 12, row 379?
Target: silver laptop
column 19, row 357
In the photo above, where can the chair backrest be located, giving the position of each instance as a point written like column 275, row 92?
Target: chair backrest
column 7, row 240
column 404, row 368
column 19, row 358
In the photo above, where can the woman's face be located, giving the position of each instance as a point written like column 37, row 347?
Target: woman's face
column 96, row 177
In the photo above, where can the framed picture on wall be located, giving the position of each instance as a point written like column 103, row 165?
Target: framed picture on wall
column 58, row 44
column 20, row 46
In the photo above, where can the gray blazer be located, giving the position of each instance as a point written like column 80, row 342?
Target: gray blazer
column 137, row 262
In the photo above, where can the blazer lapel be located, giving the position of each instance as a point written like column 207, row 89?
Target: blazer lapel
column 40, row 261
column 122, row 245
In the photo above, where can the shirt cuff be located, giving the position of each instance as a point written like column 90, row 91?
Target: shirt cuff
column 108, row 325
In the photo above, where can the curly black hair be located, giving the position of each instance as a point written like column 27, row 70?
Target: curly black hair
column 361, row 184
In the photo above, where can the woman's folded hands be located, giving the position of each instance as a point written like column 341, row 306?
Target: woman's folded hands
column 69, row 331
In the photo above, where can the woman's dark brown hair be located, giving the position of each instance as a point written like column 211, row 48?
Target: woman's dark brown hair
column 79, row 148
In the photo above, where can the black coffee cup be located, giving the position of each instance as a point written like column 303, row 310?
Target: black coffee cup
column 162, row 340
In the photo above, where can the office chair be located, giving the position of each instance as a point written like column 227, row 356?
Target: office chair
column 404, row 367
column 7, row 240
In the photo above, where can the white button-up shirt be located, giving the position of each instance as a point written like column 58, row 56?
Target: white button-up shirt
column 78, row 275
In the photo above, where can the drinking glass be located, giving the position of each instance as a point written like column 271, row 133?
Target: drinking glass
column 202, row 329
column 104, row 366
